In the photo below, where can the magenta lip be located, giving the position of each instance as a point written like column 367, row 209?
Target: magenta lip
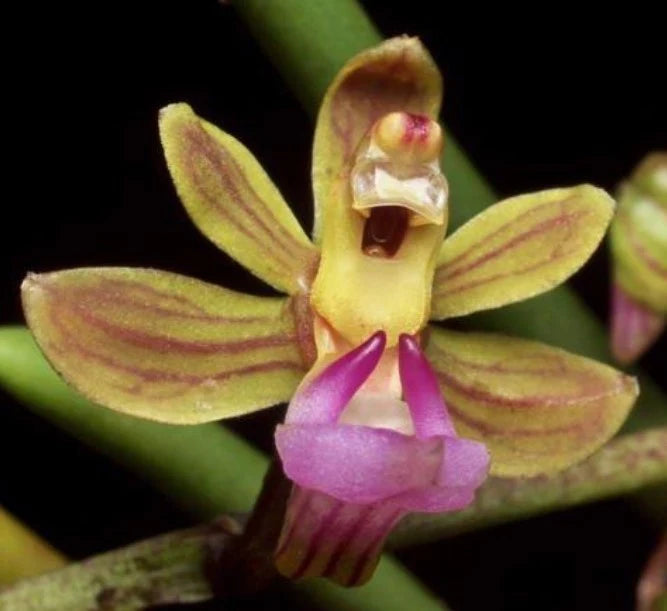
column 365, row 464
column 352, row 483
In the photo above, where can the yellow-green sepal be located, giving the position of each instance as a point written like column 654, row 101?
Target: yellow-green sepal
column 538, row 409
column 163, row 346
column 233, row 202
column 639, row 247
column 519, row 248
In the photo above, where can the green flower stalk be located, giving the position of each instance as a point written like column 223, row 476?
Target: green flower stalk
column 388, row 414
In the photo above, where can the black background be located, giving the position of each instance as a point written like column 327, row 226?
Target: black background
column 537, row 99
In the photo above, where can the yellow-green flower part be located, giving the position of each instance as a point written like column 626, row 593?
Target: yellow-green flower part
column 174, row 349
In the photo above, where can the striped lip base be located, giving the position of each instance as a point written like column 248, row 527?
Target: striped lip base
column 325, row 537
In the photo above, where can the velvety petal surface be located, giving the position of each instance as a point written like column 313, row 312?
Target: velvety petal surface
column 518, row 248
column 233, row 202
column 357, row 464
column 537, row 409
column 397, row 75
column 163, row 346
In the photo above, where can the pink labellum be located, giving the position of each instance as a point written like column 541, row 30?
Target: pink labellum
column 634, row 327
column 354, row 482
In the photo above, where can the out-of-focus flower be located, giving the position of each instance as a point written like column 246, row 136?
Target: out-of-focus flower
column 652, row 587
column 367, row 436
column 639, row 252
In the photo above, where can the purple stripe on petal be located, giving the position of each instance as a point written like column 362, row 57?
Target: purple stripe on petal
column 341, row 541
column 422, row 391
column 321, row 400
column 357, row 514
column 323, row 529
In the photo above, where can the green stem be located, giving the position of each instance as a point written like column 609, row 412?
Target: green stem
column 205, row 468
column 392, row 587
column 624, row 465
column 175, row 568
column 309, row 42
column 170, row 568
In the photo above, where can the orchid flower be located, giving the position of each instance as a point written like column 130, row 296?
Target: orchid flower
column 639, row 252
column 387, row 415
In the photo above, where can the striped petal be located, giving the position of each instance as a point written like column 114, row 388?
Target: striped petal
column 233, row 202
column 518, row 248
column 163, row 346
column 537, row 409
column 326, row 537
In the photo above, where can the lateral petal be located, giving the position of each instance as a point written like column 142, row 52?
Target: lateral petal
column 233, row 202
column 163, row 346
column 518, row 248
column 537, row 409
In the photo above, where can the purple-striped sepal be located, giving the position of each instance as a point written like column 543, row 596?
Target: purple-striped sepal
column 354, row 482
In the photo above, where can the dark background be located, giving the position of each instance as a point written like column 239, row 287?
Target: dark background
column 538, row 100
